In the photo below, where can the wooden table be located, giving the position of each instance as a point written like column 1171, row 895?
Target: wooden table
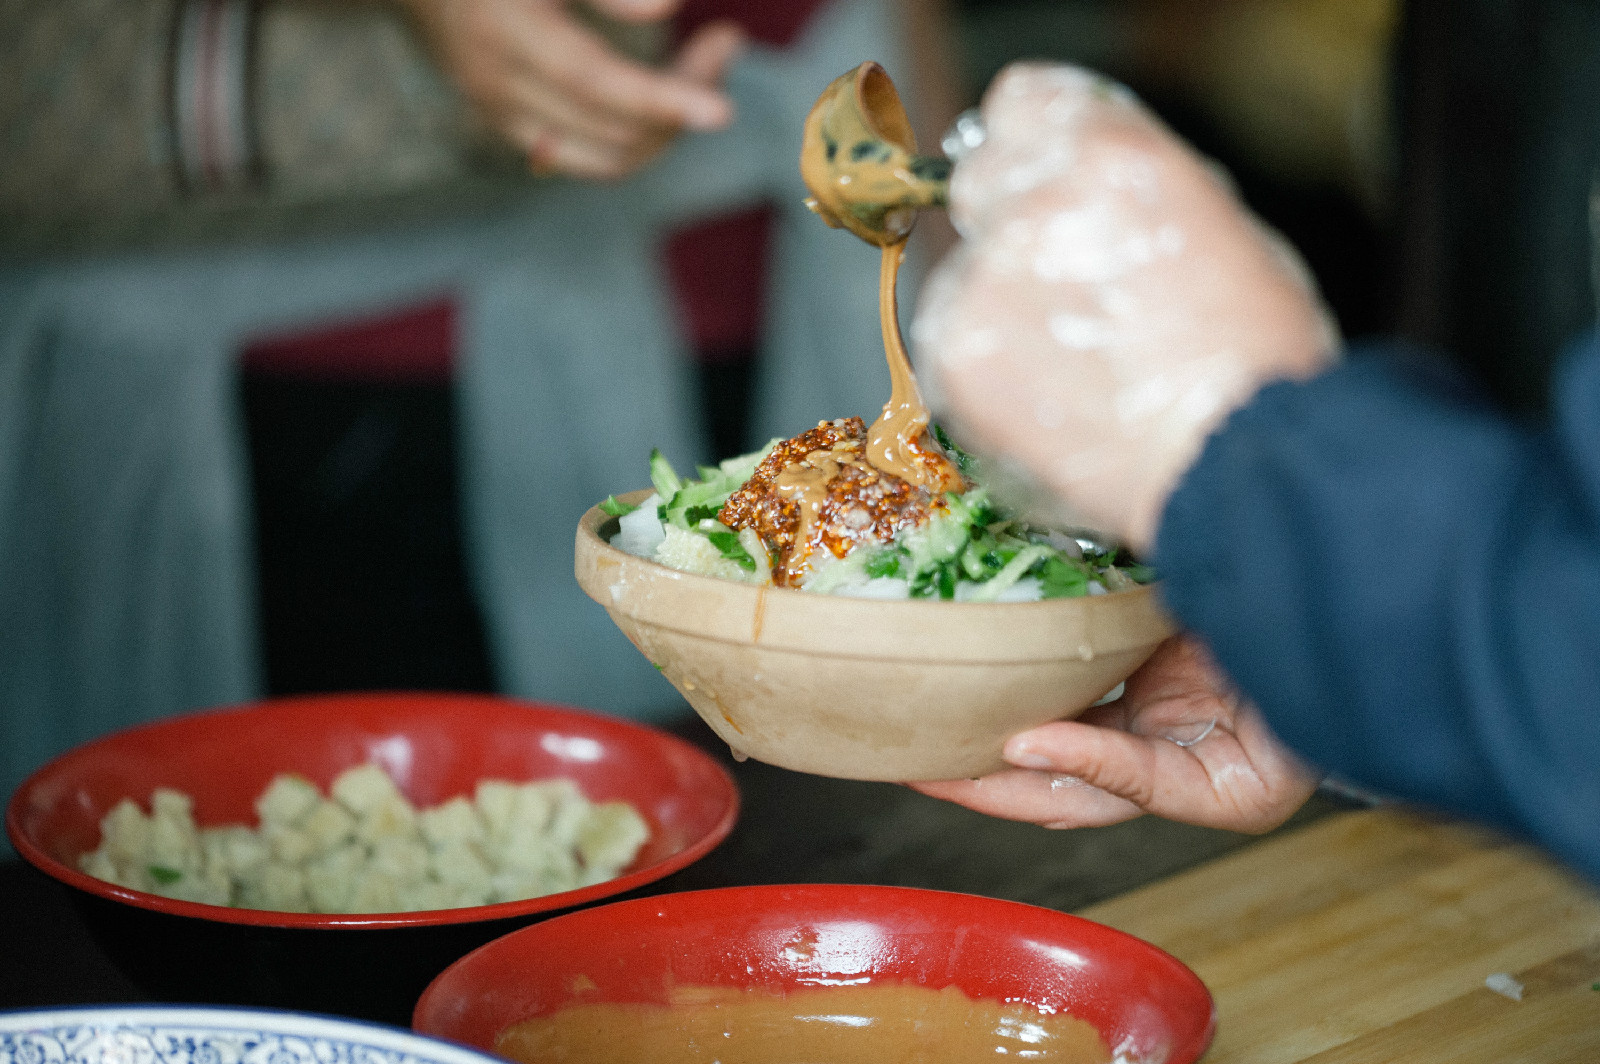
column 1367, row 937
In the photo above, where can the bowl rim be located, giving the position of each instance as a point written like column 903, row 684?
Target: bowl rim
column 35, row 854
column 846, row 895
column 289, row 1023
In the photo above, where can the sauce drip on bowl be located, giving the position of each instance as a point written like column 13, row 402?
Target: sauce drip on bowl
column 882, row 1023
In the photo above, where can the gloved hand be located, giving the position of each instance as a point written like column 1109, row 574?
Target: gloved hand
column 552, row 86
column 1109, row 303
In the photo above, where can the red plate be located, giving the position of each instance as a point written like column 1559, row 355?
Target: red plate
column 1141, row 999
column 435, row 745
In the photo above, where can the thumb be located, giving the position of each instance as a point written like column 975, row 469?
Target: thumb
column 706, row 56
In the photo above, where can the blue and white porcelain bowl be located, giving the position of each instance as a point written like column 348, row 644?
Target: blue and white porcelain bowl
column 188, row 1034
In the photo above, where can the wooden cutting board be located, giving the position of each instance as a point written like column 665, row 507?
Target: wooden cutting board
column 1367, row 936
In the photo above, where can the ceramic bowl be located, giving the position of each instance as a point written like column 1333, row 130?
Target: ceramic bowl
column 867, row 689
column 1142, row 1001
column 435, row 746
column 168, row 1034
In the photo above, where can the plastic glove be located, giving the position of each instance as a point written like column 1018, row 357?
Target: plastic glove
column 1179, row 743
column 1110, row 302
column 555, row 88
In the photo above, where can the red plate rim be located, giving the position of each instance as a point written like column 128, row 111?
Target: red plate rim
column 848, row 898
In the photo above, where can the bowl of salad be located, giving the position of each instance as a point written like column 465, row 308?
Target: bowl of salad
column 827, row 617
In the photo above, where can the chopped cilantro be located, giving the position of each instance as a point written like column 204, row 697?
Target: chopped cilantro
column 695, row 514
column 884, row 563
column 728, row 543
column 962, row 459
column 164, row 875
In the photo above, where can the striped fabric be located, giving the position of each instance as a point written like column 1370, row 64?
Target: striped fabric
column 213, row 142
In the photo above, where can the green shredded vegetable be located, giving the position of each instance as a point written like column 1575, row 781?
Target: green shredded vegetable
column 966, row 540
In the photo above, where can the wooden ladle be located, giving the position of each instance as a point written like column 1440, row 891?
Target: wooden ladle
column 858, row 158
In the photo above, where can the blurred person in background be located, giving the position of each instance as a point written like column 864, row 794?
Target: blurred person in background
column 1382, row 572
column 189, row 180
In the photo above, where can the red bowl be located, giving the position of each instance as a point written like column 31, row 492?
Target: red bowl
column 1141, row 1000
column 435, row 745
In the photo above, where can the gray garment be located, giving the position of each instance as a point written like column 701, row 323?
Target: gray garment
column 125, row 546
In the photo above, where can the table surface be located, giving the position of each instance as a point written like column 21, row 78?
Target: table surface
column 1367, row 937
column 1345, row 935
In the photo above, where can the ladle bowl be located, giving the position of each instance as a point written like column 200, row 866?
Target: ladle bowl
column 859, row 159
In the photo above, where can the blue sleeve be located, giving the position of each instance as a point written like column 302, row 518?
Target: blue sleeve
column 1407, row 582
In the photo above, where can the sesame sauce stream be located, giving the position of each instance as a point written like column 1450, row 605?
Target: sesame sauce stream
column 898, row 441
column 858, row 160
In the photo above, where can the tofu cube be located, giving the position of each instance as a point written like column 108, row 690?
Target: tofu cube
column 610, row 838
column 329, row 826
column 331, row 878
column 276, row 886
column 287, row 800
column 364, row 788
column 125, row 833
column 455, row 820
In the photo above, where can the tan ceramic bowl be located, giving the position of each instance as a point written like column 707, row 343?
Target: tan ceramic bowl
column 861, row 688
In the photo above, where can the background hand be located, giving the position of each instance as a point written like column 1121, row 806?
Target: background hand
column 1179, row 743
column 559, row 91
column 1110, row 302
